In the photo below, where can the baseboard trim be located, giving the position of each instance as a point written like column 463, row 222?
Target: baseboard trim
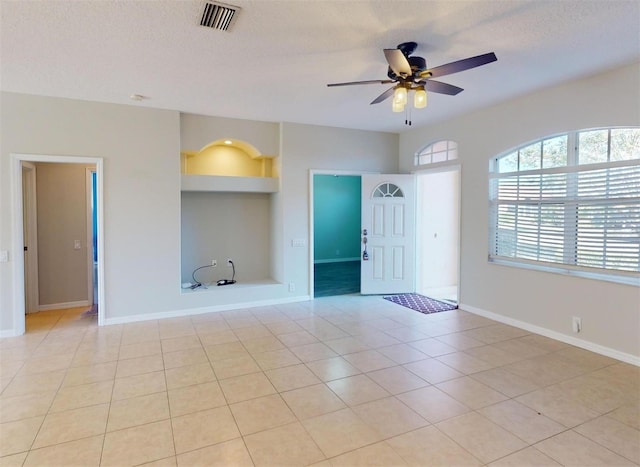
column 8, row 333
column 597, row 348
column 335, row 260
column 61, row 306
column 202, row 310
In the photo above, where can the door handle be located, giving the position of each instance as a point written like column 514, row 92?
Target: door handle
column 365, row 255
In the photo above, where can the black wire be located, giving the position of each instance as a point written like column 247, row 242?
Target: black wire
column 233, row 277
column 193, row 274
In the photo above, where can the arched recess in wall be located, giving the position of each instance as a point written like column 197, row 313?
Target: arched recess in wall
column 227, row 157
column 226, row 198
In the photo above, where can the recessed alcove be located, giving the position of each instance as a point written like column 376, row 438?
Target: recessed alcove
column 248, row 169
column 226, row 210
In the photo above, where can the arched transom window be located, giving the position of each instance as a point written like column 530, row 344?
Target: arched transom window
column 387, row 190
column 440, row 151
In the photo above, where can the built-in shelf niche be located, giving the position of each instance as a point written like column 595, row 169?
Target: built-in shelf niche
column 226, row 213
column 228, row 184
column 229, row 166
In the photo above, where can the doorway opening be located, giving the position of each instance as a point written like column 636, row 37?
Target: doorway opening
column 92, row 237
column 336, row 234
column 438, row 233
column 75, row 244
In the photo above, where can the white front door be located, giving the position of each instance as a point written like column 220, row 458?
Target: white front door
column 388, row 225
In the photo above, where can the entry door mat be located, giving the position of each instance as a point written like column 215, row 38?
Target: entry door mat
column 420, row 303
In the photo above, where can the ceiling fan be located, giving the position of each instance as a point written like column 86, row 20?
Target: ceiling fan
column 410, row 73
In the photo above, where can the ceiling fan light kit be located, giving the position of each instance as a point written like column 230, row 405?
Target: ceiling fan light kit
column 410, row 73
column 420, row 98
column 400, row 95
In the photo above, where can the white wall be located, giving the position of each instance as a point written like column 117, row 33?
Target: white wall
column 610, row 312
column 197, row 131
column 141, row 151
column 306, row 147
column 212, row 228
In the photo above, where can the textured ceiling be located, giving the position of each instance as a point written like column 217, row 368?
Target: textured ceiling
column 275, row 62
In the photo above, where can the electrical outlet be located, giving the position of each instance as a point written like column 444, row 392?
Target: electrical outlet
column 229, row 261
column 292, row 286
column 214, row 263
column 576, row 324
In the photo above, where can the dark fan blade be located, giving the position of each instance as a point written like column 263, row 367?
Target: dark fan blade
column 351, row 83
column 442, row 88
column 460, row 65
column 388, row 93
column 398, row 62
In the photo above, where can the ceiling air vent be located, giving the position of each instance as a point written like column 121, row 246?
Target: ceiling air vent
column 217, row 15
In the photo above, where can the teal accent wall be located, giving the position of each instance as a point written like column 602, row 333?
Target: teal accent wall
column 336, row 213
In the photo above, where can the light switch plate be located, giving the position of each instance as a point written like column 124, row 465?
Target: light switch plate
column 4, row 256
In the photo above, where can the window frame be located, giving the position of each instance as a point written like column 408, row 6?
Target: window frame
column 569, row 225
column 450, row 153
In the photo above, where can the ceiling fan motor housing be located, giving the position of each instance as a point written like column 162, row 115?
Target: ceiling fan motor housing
column 407, row 48
column 417, row 65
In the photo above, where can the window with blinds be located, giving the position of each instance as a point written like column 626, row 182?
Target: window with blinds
column 571, row 200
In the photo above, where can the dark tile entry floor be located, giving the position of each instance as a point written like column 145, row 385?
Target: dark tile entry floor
column 339, row 278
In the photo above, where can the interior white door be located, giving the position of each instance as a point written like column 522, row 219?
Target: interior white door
column 388, row 234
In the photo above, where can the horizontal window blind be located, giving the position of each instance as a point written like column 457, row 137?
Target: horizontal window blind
column 581, row 215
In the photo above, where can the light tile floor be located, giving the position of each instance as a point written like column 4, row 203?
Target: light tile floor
column 338, row 381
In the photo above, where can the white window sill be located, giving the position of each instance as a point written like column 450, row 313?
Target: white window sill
column 627, row 279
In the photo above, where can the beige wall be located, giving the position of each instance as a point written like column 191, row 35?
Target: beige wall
column 141, row 151
column 142, row 214
column 226, row 225
column 610, row 312
column 307, row 147
column 62, row 219
column 140, row 148
column 197, row 131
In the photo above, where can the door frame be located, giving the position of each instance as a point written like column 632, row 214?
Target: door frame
column 445, row 167
column 31, row 227
column 312, row 172
column 18, row 325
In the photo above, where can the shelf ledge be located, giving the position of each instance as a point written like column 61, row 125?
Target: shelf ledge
column 212, row 287
column 221, row 183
